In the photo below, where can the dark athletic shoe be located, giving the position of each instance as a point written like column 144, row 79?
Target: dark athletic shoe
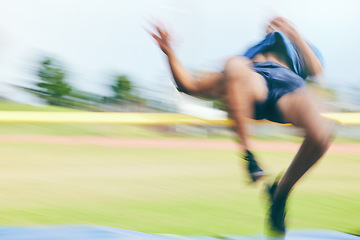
column 254, row 170
column 276, row 214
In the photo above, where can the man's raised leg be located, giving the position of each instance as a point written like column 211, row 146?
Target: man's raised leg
column 297, row 108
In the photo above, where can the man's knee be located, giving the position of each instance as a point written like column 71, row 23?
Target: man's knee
column 323, row 134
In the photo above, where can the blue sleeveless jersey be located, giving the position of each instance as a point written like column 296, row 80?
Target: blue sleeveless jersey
column 292, row 54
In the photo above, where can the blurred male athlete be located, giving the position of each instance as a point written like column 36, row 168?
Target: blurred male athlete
column 267, row 82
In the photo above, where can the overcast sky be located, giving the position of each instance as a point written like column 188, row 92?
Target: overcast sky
column 95, row 39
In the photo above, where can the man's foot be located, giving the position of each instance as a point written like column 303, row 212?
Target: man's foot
column 277, row 217
column 276, row 214
column 255, row 171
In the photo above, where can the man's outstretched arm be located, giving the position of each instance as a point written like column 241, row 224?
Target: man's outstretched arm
column 213, row 85
column 184, row 80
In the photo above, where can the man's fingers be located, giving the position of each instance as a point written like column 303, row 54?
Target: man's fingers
column 163, row 33
column 148, row 31
column 159, row 29
column 157, row 38
column 281, row 22
column 279, row 19
column 151, row 23
column 275, row 23
column 269, row 29
column 166, row 33
column 159, row 26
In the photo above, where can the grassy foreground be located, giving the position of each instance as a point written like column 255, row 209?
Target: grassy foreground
column 197, row 192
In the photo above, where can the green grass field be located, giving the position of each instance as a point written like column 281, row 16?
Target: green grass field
column 197, row 192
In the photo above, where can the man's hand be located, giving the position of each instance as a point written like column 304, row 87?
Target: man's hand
column 162, row 37
column 312, row 62
column 283, row 25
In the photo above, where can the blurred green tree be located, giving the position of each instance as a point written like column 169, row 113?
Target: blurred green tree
column 124, row 92
column 122, row 88
column 52, row 86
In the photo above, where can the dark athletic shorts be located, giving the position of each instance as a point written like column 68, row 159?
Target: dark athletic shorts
column 280, row 81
